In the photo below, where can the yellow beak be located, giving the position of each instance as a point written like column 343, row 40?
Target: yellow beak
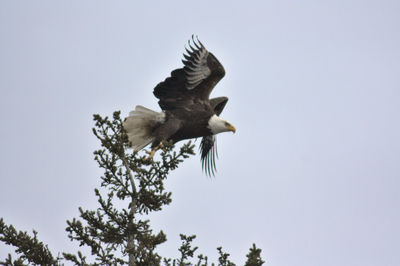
column 232, row 128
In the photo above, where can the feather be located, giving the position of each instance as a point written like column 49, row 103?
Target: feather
column 208, row 148
column 196, row 68
column 190, row 53
column 197, row 46
column 139, row 126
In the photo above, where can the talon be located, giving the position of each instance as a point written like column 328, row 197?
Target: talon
column 153, row 151
column 151, row 154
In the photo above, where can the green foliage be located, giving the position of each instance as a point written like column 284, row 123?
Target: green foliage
column 254, row 257
column 30, row 248
column 136, row 182
column 187, row 254
column 10, row 262
column 119, row 236
column 223, row 258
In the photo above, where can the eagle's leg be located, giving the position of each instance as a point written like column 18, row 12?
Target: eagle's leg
column 163, row 133
column 151, row 154
column 154, row 150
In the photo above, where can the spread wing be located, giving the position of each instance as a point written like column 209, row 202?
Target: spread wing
column 192, row 83
column 208, row 148
column 195, row 64
column 208, row 145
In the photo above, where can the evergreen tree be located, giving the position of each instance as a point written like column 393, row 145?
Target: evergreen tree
column 254, row 257
column 119, row 236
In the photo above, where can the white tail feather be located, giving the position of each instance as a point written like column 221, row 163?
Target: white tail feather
column 139, row 125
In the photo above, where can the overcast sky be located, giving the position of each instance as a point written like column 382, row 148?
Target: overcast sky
column 312, row 175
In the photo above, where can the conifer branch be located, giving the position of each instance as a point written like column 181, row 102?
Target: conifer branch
column 30, row 248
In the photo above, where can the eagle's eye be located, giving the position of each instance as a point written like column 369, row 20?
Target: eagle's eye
column 227, row 124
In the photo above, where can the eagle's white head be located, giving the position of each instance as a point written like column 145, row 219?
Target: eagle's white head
column 218, row 125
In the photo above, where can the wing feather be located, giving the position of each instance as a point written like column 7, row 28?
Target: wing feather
column 194, row 82
column 209, row 153
column 196, row 67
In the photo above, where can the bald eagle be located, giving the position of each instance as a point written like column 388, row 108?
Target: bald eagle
column 187, row 110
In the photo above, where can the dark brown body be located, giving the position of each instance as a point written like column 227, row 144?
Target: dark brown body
column 180, row 125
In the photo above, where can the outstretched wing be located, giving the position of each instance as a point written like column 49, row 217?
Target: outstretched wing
column 192, row 83
column 195, row 64
column 208, row 148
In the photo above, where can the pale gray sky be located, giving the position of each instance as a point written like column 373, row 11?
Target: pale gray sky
column 312, row 175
